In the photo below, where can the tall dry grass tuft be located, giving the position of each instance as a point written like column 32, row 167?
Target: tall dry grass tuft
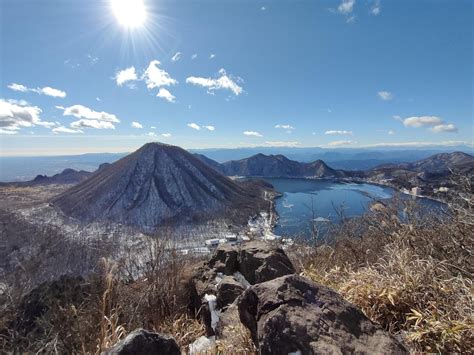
column 409, row 272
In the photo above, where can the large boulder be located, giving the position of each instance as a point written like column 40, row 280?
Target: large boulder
column 292, row 314
column 228, row 290
column 260, row 262
column 142, row 341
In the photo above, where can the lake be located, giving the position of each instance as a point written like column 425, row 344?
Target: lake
column 304, row 200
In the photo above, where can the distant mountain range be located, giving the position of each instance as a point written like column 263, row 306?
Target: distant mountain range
column 261, row 165
column 26, row 168
column 160, row 184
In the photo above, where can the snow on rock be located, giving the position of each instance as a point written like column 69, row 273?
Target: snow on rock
column 202, row 345
column 212, row 301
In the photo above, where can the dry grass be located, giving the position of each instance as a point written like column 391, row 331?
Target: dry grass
column 411, row 275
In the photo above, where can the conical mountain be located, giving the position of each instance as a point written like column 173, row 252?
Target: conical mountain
column 159, row 184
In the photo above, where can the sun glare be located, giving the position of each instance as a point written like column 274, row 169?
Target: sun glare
column 129, row 13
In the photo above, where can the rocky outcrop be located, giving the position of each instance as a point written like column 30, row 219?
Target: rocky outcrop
column 230, row 271
column 290, row 314
column 141, row 342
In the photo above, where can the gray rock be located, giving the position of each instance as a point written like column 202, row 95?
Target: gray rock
column 290, row 314
column 141, row 342
column 228, row 290
column 260, row 262
column 224, row 259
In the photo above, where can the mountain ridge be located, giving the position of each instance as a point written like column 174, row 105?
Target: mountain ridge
column 158, row 184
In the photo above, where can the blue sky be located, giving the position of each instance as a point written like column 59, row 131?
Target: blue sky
column 249, row 73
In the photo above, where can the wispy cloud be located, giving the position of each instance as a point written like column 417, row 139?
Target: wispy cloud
column 194, row 126
column 85, row 123
column 436, row 124
column 346, row 6
column 156, row 77
column 444, row 128
column 281, row 144
column 136, row 125
column 376, row 8
column 198, row 127
column 422, row 121
column 62, row 129
column 13, row 117
column 166, row 135
column 80, row 111
column 212, row 56
column 341, row 143
column 252, row 133
column 47, row 90
column 221, row 82
column 194, row 56
column 165, row 94
column 285, row 126
column 126, row 75
column 176, row 57
column 339, row 133
column 385, row 95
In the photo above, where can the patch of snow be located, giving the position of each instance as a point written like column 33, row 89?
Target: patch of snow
column 241, row 278
column 202, row 345
column 212, row 301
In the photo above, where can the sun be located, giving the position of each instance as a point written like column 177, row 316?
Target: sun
column 129, row 13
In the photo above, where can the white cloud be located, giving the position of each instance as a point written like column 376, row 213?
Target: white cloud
column 376, row 8
column 222, row 82
column 341, row 143
column 165, row 94
column 194, row 126
column 444, row 128
column 385, row 95
column 86, row 123
column 47, row 90
column 13, row 117
column 391, row 132
column 263, row 8
column 285, row 126
column 81, row 111
column 176, row 57
column 209, row 128
column 212, row 56
column 123, row 76
column 152, row 134
column 346, row 6
column 339, row 133
column 62, row 129
column 156, row 77
column 194, row 56
column 18, row 102
column 136, row 125
column 7, row 131
column 98, row 99
column 252, row 133
column 166, row 135
column 152, row 127
column 18, row 87
column 421, row 121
